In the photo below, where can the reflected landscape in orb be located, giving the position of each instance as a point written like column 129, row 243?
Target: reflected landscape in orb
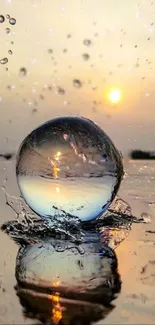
column 69, row 165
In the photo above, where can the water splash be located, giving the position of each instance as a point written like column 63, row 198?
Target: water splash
column 4, row 61
column 12, row 21
column 2, row 19
column 7, row 30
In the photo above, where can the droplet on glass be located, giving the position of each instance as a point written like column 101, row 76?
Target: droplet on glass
column 67, row 163
column 7, row 30
column 4, row 61
column 61, row 91
column 85, row 56
column 69, row 35
column 87, row 42
column 2, row 19
column 12, row 42
column 77, row 83
column 23, row 72
column 10, row 52
column 8, row 16
column 12, row 21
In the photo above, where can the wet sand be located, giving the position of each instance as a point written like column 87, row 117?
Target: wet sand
column 136, row 254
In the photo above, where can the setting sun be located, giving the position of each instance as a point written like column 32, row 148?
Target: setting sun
column 115, row 95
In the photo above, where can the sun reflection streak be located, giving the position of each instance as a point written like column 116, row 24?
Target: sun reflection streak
column 56, row 306
column 55, row 164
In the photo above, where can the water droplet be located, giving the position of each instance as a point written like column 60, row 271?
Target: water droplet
column 7, row 30
column 66, row 163
column 41, row 97
column 4, row 61
column 2, row 19
column 87, row 42
column 61, row 91
column 77, row 83
column 34, row 110
column 23, row 72
column 85, row 56
column 10, row 52
column 12, row 21
column 8, row 16
column 50, row 51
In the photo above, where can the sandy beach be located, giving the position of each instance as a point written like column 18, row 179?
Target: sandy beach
column 135, row 303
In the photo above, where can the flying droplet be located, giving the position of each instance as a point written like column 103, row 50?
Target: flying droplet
column 12, row 21
column 23, row 72
column 7, row 30
column 68, row 163
column 61, row 91
column 4, row 61
column 50, row 51
column 10, row 52
column 8, row 16
column 2, row 19
column 85, row 56
column 41, row 97
column 77, row 83
column 87, row 42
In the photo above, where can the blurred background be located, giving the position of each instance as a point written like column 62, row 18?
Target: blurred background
column 81, row 58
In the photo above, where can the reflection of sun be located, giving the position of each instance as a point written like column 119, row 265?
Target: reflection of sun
column 115, row 95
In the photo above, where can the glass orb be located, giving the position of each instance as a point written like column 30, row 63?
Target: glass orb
column 68, row 165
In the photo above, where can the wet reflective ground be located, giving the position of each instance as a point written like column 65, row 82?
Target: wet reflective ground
column 37, row 286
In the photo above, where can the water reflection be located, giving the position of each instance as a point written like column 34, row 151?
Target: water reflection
column 65, row 282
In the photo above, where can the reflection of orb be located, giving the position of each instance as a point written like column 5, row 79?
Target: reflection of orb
column 115, row 95
column 59, row 280
column 69, row 165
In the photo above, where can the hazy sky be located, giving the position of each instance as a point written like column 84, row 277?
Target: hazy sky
column 122, row 52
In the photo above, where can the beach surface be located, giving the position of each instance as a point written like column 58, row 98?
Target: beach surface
column 136, row 254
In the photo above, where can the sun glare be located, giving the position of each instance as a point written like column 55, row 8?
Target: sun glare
column 115, row 95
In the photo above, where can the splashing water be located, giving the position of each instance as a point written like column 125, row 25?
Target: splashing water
column 68, row 168
column 4, row 61
column 87, row 42
column 28, row 228
column 2, row 19
column 23, row 72
column 7, row 30
column 12, row 21
column 77, row 83
column 85, row 56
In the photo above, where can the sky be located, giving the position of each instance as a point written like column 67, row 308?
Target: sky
column 74, row 52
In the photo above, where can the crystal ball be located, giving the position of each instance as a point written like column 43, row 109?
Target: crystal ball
column 68, row 165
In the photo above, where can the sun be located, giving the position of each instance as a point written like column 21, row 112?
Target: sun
column 115, row 95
